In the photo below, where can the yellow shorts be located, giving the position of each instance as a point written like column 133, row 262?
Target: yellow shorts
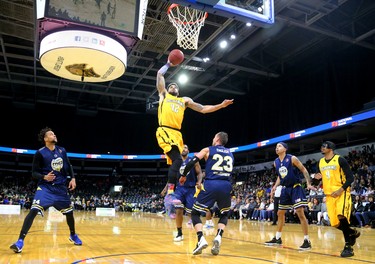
column 341, row 205
column 167, row 138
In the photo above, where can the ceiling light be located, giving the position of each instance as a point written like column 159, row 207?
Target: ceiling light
column 183, row 79
column 232, row 37
column 223, row 44
column 206, row 59
column 248, row 24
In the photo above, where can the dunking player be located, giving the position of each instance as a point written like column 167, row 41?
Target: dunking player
column 51, row 167
column 170, row 116
column 337, row 178
column 292, row 194
column 184, row 193
column 216, row 188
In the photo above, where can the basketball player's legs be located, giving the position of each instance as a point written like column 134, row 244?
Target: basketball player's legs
column 62, row 204
column 204, row 201
column 339, row 209
column 223, row 200
column 170, row 141
column 284, row 205
column 299, row 204
column 43, row 199
column 178, row 202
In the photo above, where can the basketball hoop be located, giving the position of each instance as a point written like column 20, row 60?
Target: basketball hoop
column 188, row 22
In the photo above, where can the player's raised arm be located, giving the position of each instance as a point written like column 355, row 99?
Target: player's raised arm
column 204, row 109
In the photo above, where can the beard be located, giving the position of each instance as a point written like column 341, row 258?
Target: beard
column 173, row 93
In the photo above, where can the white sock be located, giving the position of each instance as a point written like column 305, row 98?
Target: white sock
column 278, row 235
column 306, row 238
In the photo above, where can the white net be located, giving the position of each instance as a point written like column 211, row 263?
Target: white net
column 188, row 22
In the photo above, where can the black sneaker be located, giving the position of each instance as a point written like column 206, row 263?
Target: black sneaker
column 353, row 237
column 347, row 251
column 306, row 245
column 274, row 242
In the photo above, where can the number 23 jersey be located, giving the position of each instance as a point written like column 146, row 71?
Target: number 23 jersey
column 219, row 165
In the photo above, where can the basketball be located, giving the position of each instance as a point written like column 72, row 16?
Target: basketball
column 176, row 56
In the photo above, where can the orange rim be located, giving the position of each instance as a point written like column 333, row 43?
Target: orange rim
column 184, row 22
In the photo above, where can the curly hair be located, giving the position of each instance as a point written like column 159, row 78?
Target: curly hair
column 42, row 133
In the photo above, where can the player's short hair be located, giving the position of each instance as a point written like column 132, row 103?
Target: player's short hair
column 42, row 134
column 329, row 145
column 223, row 137
column 283, row 144
column 175, row 84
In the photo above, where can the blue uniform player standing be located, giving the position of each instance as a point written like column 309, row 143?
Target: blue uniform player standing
column 292, row 194
column 184, row 193
column 51, row 167
column 217, row 187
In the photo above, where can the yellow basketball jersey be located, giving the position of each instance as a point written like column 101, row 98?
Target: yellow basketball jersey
column 171, row 111
column 332, row 175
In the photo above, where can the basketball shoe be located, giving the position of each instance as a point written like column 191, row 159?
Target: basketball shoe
column 75, row 239
column 347, row 251
column 202, row 244
column 306, row 245
column 216, row 247
column 178, row 238
column 18, row 246
column 274, row 242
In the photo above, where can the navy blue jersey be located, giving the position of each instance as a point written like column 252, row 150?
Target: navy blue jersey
column 56, row 161
column 219, row 165
column 191, row 177
column 286, row 172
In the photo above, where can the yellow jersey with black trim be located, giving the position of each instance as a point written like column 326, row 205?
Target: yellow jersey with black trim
column 171, row 111
column 333, row 176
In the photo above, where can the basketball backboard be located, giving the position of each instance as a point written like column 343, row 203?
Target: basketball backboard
column 260, row 12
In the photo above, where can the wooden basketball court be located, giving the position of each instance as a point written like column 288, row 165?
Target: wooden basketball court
column 148, row 238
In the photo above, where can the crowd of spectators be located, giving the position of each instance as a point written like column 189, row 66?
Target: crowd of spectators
column 251, row 198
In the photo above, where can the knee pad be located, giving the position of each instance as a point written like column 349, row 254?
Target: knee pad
column 223, row 218
column 195, row 217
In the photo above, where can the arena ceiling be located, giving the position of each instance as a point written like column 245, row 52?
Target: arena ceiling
column 303, row 29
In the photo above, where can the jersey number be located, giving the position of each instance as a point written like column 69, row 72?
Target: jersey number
column 219, row 166
column 327, row 174
column 175, row 108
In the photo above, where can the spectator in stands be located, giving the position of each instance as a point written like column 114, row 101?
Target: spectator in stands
column 313, row 212
column 270, row 211
column 253, row 204
column 357, row 210
column 323, row 218
column 244, row 209
column 231, row 213
column 369, row 212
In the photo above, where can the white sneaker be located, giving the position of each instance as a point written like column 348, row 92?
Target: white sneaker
column 216, row 247
column 202, row 244
column 178, row 238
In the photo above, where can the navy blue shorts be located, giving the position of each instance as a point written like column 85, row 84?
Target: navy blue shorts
column 292, row 197
column 186, row 196
column 214, row 191
column 48, row 195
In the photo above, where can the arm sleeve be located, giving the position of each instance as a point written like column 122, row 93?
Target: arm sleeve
column 70, row 170
column 36, row 168
column 348, row 172
column 190, row 165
